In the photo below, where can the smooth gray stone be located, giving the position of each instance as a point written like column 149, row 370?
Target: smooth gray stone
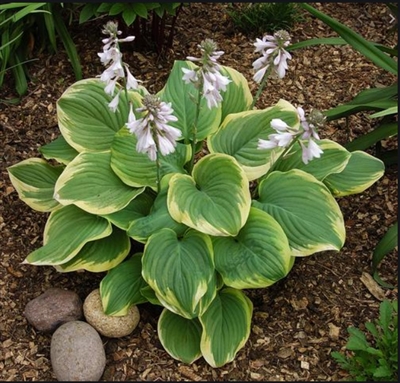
column 77, row 352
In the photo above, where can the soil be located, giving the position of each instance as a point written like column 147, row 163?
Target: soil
column 298, row 321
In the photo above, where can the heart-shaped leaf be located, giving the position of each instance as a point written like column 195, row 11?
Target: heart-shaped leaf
column 215, row 200
column 84, row 118
column 239, row 133
column 180, row 336
column 257, row 257
column 226, row 326
column 237, row 97
column 309, row 215
column 101, row 255
column 34, row 181
column 179, row 270
column 67, row 230
column 59, row 150
column 333, row 160
column 89, row 182
column 360, row 173
column 120, row 288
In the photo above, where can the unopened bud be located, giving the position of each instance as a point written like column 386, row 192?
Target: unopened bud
column 316, row 118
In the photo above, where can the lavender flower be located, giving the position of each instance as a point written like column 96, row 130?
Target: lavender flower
column 285, row 134
column 112, row 57
column 273, row 55
column 208, row 76
column 311, row 151
column 152, row 131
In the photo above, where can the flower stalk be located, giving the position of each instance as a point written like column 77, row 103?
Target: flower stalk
column 153, row 132
column 273, row 60
column 208, row 80
column 117, row 69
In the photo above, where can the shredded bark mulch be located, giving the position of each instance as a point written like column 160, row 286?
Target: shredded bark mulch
column 298, row 321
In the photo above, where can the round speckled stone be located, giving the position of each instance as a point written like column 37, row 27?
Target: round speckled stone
column 77, row 353
column 107, row 325
column 53, row 308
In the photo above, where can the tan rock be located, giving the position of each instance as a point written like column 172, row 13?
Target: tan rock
column 107, row 325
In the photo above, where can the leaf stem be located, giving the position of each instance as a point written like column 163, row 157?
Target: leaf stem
column 158, row 166
column 262, row 85
column 194, row 130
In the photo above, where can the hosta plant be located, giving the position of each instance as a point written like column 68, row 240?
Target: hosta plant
column 222, row 197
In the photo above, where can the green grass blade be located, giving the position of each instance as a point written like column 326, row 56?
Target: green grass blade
column 11, row 41
column 385, row 246
column 69, row 45
column 363, row 142
column 49, row 22
column 13, row 5
column 21, row 63
column 391, row 110
column 356, row 41
column 26, row 11
column 21, row 84
column 319, row 41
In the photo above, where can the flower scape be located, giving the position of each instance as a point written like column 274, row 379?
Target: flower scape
column 222, row 196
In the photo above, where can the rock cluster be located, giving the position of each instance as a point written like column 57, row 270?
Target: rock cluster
column 76, row 351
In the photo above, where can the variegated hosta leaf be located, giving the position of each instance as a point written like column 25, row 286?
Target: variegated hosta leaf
column 184, row 98
column 136, row 169
column 34, row 181
column 360, row 173
column 257, row 257
column 179, row 270
column 157, row 218
column 66, row 232
column 333, row 160
column 139, row 207
column 120, row 288
column 180, row 336
column 304, row 207
column 89, row 182
column 214, row 285
column 226, row 326
column 59, row 150
column 150, row 295
column 215, row 200
column 237, row 97
column 84, row 118
column 239, row 133
column 101, row 255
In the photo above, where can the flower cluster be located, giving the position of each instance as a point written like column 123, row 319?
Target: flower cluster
column 208, row 76
column 152, row 131
column 286, row 134
column 274, row 55
column 112, row 57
